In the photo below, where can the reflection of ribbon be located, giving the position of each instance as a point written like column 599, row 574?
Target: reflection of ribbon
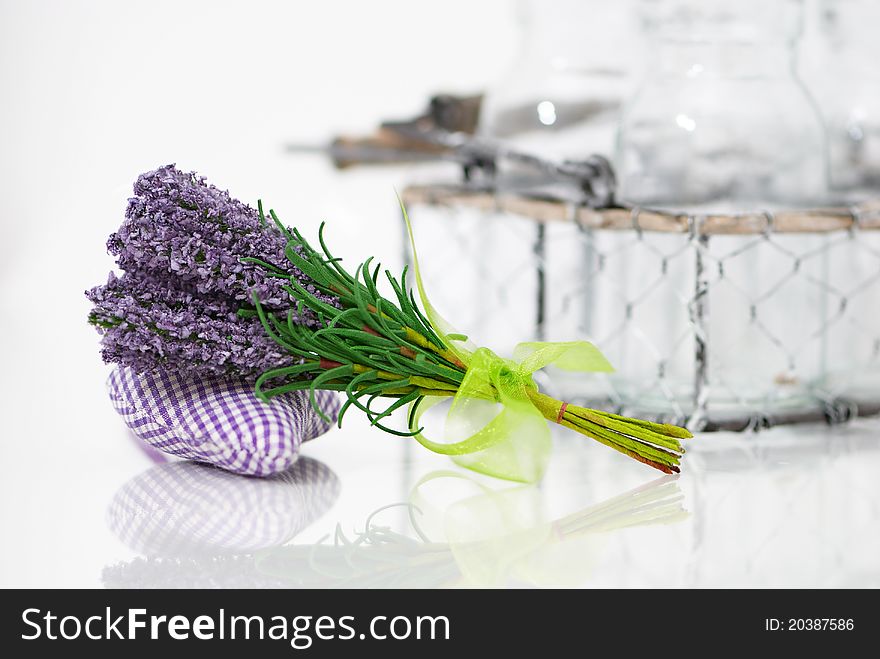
column 515, row 442
column 486, row 538
column 500, row 535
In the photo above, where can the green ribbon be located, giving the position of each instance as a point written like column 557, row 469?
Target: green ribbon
column 514, row 442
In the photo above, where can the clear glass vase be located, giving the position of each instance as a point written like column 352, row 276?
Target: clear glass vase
column 721, row 124
column 720, row 120
column 559, row 99
column 841, row 69
column 561, row 96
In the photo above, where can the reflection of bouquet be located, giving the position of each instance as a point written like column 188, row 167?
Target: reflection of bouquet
column 196, row 526
column 488, row 539
column 213, row 286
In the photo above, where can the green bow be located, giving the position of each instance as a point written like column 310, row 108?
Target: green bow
column 513, row 443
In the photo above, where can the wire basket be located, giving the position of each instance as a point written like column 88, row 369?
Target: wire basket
column 729, row 322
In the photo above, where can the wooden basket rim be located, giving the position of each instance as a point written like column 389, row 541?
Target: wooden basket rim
column 862, row 216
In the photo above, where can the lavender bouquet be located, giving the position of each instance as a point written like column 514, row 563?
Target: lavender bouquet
column 185, row 248
column 215, row 287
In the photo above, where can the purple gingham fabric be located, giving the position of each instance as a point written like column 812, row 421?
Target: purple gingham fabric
column 219, row 421
column 183, row 509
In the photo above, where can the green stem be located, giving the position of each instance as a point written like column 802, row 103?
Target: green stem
column 630, row 439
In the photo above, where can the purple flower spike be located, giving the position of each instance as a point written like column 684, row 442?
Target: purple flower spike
column 147, row 325
column 180, row 229
column 184, row 247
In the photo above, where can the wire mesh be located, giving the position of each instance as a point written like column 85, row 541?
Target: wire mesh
column 775, row 322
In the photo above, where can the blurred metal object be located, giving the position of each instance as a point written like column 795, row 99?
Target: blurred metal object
column 591, row 181
column 456, row 114
column 383, row 147
column 402, row 141
column 445, row 132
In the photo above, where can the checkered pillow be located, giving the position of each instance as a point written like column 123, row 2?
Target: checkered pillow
column 218, row 420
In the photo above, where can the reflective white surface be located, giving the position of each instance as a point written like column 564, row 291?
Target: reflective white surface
column 113, row 96
column 784, row 508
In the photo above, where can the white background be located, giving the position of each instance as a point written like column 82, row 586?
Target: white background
column 94, row 93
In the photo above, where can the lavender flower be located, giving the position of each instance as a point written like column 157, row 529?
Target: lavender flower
column 181, row 246
column 181, row 230
column 146, row 324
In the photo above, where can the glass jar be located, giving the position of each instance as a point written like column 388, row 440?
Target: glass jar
column 560, row 100
column 561, row 96
column 720, row 121
column 843, row 74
